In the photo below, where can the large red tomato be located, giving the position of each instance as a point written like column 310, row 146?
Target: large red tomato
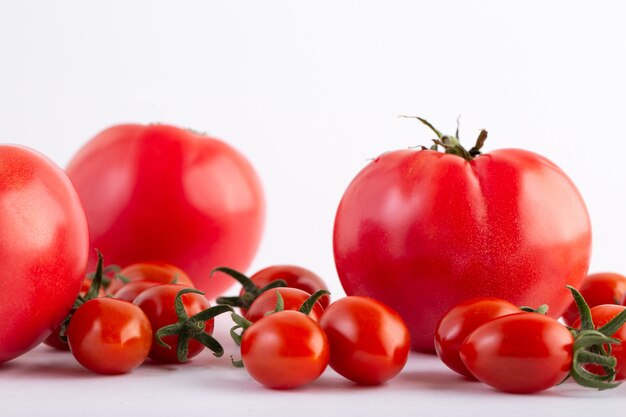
column 158, row 192
column 422, row 230
column 43, row 248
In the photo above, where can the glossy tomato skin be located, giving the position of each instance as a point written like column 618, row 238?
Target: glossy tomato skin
column 43, row 248
column 132, row 290
column 109, row 336
column 158, row 304
column 601, row 315
column 422, row 231
column 295, row 277
column 160, row 272
column 460, row 322
column 369, row 342
column 293, row 299
column 161, row 192
column 285, row 350
column 599, row 288
column 519, row 353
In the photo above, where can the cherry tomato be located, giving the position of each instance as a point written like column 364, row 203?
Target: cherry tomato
column 461, row 321
column 160, row 272
column 161, row 192
column 601, row 315
column 44, row 245
column 285, row 350
column 423, row 230
column 158, row 304
column 519, row 353
column 293, row 299
column 109, row 336
column 295, row 277
column 369, row 342
column 597, row 289
column 132, row 290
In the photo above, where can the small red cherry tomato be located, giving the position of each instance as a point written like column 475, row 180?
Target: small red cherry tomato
column 519, row 353
column 160, row 272
column 597, row 289
column 601, row 315
column 131, row 290
column 293, row 299
column 109, row 336
column 158, row 304
column 462, row 320
column 295, row 277
column 285, row 350
column 369, row 342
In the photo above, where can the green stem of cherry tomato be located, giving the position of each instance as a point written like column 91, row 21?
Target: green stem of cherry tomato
column 251, row 290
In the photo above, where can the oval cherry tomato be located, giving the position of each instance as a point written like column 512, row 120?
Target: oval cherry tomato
column 597, row 289
column 369, row 342
column 519, row 353
column 158, row 304
column 161, row 192
column 422, row 230
column 293, row 299
column 295, row 277
column 132, row 290
column 601, row 315
column 44, row 245
column 285, row 350
column 109, row 336
column 160, row 272
column 461, row 321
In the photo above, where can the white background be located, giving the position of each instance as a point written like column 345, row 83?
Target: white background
column 309, row 91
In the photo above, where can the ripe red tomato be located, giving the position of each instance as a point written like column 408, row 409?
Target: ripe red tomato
column 160, row 272
column 158, row 304
column 43, row 248
column 293, row 299
column 160, row 192
column 461, row 321
column 422, row 230
column 597, row 289
column 285, row 350
column 601, row 315
column 295, row 277
column 109, row 336
column 132, row 290
column 519, row 353
column 369, row 342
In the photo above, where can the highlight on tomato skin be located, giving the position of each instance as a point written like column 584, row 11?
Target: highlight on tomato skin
column 369, row 342
column 598, row 288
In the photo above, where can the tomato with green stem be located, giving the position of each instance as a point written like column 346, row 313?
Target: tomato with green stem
column 292, row 299
column 599, row 288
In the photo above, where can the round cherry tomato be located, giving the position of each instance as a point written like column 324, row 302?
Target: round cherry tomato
column 285, row 350
column 422, row 230
column 43, row 248
column 161, row 192
column 109, row 336
column 461, row 321
column 295, row 277
column 293, row 299
column 597, row 289
column 160, row 272
column 132, row 290
column 601, row 315
column 369, row 342
column 519, row 353
column 158, row 304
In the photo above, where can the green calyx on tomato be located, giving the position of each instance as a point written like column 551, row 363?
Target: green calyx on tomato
column 542, row 309
column 251, row 290
column 192, row 327
column 452, row 144
column 593, row 347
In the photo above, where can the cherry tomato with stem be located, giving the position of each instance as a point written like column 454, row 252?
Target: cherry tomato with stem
column 369, row 342
column 292, row 299
column 599, row 288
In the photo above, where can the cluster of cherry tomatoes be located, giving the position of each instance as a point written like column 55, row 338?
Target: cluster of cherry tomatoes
column 522, row 350
column 288, row 330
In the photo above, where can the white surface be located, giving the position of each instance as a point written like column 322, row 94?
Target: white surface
column 309, row 91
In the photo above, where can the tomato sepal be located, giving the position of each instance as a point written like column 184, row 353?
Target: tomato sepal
column 251, row 290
